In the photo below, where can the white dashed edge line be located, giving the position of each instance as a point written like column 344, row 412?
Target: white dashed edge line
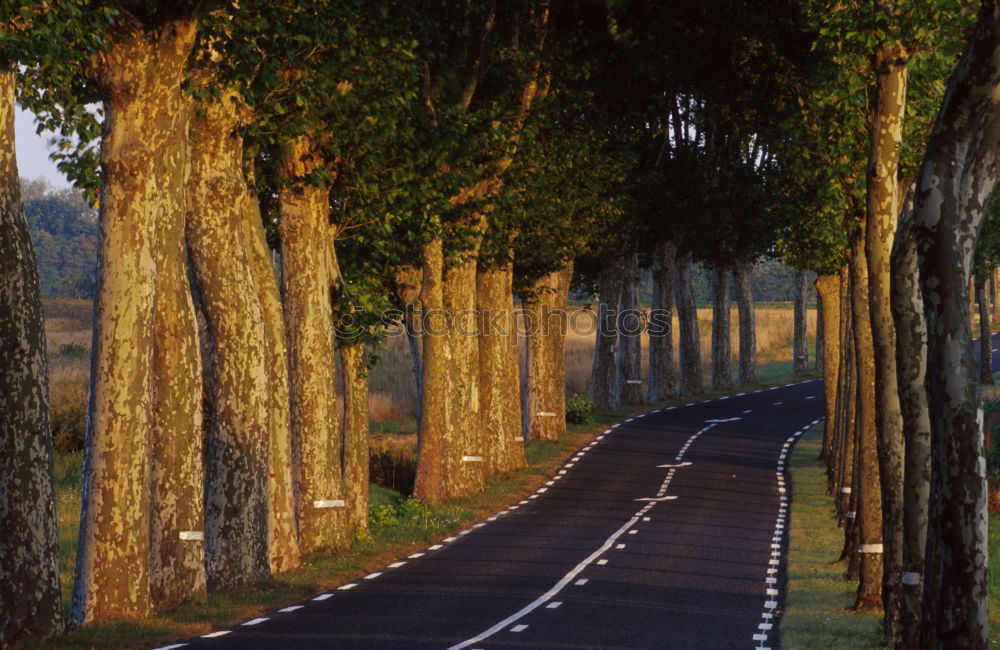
column 764, row 628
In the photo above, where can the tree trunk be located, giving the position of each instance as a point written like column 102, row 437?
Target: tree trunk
column 629, row 353
column 687, row 317
column 604, row 373
column 867, row 480
column 465, row 442
column 30, row 601
column 499, row 372
column 406, row 288
column 820, row 338
column 661, row 347
column 996, row 295
column 352, row 358
column 557, row 345
column 722, row 373
column 282, row 532
column 139, row 76
column 432, row 463
column 911, row 368
column 747, row 373
column 303, row 226
column 800, row 347
column 882, row 213
column 236, row 498
column 985, row 343
column 828, row 289
column 955, row 183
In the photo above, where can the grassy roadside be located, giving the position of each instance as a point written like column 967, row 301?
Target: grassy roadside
column 399, row 526
column 816, row 611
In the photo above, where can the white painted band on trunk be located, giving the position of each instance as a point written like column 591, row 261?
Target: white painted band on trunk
column 871, row 548
column 328, row 503
column 911, row 578
column 845, row 490
column 472, row 459
column 851, row 514
column 192, row 535
column 545, row 414
column 633, row 381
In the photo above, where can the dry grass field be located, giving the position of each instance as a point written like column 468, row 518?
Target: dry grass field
column 393, row 390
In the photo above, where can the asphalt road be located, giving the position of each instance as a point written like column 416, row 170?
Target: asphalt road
column 668, row 531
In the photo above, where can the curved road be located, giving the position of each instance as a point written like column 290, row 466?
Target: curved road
column 667, row 531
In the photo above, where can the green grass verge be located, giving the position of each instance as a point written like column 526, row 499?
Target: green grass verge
column 817, row 613
column 398, row 527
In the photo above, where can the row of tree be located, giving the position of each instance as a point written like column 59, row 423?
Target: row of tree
column 433, row 160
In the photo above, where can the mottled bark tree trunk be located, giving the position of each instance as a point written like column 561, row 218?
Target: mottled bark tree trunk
column 604, row 372
column 139, row 76
column 406, row 288
column 911, row 369
column 882, row 212
column 30, row 602
column 557, row 345
column 995, row 294
column 747, row 373
column 431, row 459
column 828, row 289
column 465, row 442
column 800, row 345
column 177, row 563
column 820, row 338
column 304, row 227
column 236, row 497
column 661, row 346
column 352, row 358
column 954, row 186
column 630, row 324
column 867, row 481
column 282, row 532
column 499, row 372
column 687, row 318
column 722, row 348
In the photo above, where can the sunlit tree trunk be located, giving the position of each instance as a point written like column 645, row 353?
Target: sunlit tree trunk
column 30, row 601
column 747, row 373
column 687, row 317
column 800, row 346
column 604, row 372
column 236, row 521
column 432, row 463
column 828, row 288
column 630, row 324
column 406, row 289
column 499, row 372
column 882, row 213
column 661, row 348
column 282, row 531
column 352, row 358
column 722, row 373
column 820, row 338
column 139, row 76
column 303, row 225
column 867, row 483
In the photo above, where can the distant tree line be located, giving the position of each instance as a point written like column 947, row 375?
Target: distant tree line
column 64, row 232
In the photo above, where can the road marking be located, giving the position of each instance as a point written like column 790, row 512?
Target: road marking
column 349, row 585
column 554, row 604
column 288, row 610
column 620, row 546
column 172, row 646
column 372, row 576
column 747, row 411
column 256, row 621
column 323, row 597
column 686, row 463
column 216, row 635
column 519, row 628
column 553, row 591
column 416, row 555
column 602, row 562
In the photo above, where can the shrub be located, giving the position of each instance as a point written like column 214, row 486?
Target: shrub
column 580, row 409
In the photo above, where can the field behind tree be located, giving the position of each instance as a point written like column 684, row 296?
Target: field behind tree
column 393, row 401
